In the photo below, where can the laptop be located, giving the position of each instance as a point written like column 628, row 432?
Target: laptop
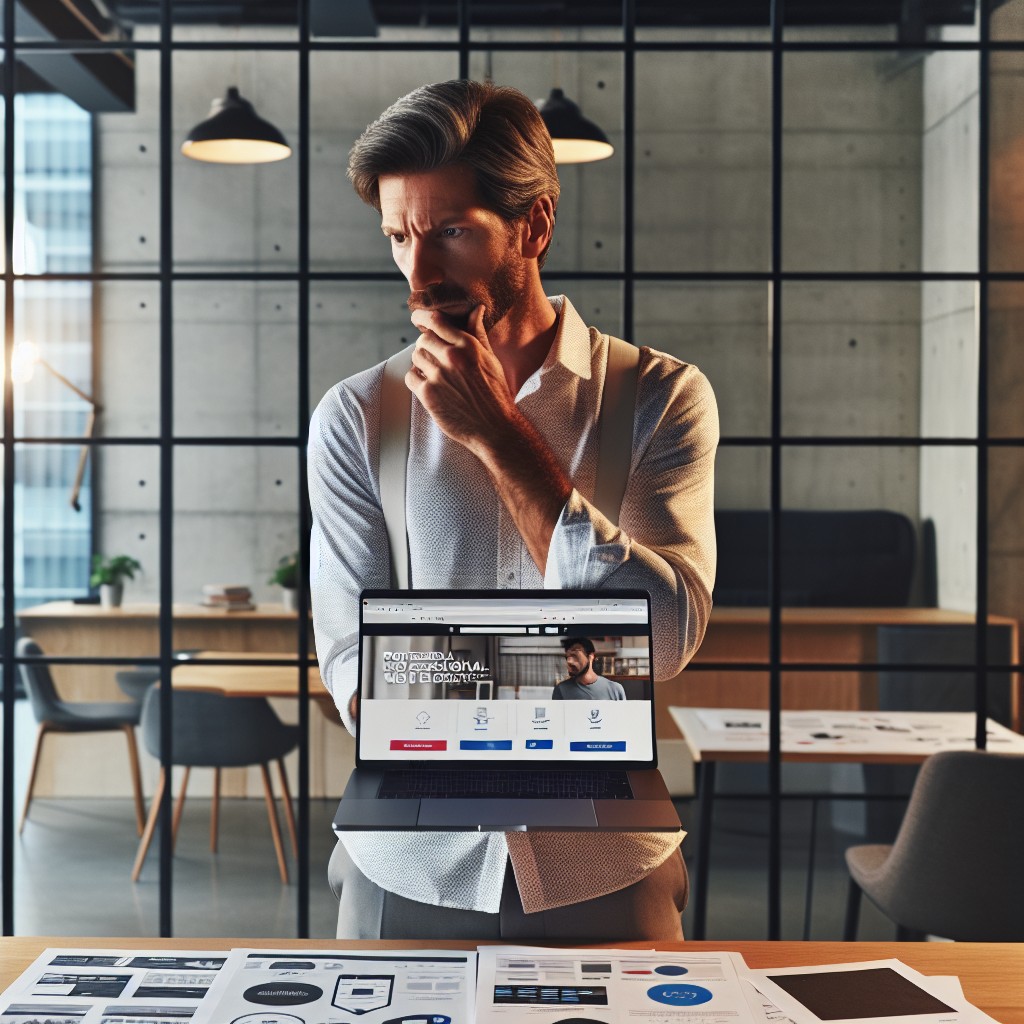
column 459, row 727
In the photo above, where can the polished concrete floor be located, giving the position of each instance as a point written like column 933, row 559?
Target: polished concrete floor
column 74, row 860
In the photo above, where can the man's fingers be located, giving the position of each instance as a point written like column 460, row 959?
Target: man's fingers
column 476, row 325
column 432, row 322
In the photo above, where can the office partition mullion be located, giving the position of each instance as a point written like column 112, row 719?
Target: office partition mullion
column 166, row 627
column 7, row 802
column 302, row 895
column 775, row 486
column 628, row 167
column 981, row 306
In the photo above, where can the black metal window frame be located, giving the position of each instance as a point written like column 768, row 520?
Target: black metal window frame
column 774, row 279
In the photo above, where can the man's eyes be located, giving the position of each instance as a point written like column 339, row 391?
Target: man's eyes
column 399, row 239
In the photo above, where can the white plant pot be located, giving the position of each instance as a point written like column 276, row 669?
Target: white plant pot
column 111, row 595
column 290, row 598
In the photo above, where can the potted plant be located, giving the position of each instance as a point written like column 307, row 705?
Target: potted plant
column 109, row 575
column 286, row 576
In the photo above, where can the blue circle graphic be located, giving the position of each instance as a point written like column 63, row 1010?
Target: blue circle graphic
column 671, row 970
column 679, row 995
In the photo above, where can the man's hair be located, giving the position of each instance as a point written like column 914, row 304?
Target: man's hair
column 579, row 641
column 495, row 130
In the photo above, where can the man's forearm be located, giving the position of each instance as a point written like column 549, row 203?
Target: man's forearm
column 529, row 481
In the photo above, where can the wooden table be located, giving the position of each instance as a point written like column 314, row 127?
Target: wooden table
column 247, row 680
column 992, row 974
column 707, row 749
column 89, row 766
column 847, row 635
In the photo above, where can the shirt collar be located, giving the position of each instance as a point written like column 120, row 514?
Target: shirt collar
column 571, row 346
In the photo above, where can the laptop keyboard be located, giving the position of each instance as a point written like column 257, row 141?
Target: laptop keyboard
column 412, row 784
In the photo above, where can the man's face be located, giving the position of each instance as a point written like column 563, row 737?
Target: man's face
column 454, row 253
column 577, row 660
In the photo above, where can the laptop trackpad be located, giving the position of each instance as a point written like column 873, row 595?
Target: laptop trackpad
column 507, row 815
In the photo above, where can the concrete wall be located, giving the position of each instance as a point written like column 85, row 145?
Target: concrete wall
column 852, row 201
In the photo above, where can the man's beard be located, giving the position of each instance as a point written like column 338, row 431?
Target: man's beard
column 498, row 296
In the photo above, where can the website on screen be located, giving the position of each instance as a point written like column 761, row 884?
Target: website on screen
column 551, row 679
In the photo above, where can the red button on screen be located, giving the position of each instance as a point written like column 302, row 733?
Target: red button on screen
column 419, row 744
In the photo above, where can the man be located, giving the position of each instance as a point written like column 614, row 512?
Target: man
column 583, row 682
column 506, row 386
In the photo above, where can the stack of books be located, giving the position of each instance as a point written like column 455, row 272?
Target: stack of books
column 229, row 597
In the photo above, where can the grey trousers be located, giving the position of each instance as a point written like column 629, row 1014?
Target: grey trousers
column 649, row 910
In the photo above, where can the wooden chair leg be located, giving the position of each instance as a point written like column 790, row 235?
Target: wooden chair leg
column 38, row 749
column 133, row 758
column 215, row 811
column 275, row 827
column 147, row 833
column 289, row 811
column 179, row 807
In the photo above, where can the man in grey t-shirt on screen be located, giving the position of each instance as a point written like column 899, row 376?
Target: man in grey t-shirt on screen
column 583, row 682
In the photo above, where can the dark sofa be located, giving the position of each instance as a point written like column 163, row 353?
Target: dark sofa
column 829, row 559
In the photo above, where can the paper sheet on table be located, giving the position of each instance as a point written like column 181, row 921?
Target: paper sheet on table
column 872, row 992
column 304, row 986
column 605, row 986
column 763, row 1009
column 112, row 986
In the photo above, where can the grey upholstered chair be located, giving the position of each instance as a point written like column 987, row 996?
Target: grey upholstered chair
column 56, row 715
column 213, row 731
column 955, row 867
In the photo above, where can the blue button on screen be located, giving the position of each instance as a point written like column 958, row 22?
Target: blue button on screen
column 485, row 744
column 540, row 744
column 598, row 746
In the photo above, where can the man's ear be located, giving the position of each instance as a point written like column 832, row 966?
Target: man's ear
column 538, row 228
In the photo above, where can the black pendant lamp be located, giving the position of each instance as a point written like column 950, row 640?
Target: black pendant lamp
column 235, row 134
column 576, row 140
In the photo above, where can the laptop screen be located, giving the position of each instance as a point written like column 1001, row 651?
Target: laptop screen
column 480, row 677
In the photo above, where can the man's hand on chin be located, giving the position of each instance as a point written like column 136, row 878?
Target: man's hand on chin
column 459, row 381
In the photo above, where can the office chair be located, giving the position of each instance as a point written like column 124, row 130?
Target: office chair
column 210, row 730
column 56, row 715
column 955, row 867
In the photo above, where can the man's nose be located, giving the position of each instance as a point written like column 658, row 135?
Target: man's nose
column 422, row 269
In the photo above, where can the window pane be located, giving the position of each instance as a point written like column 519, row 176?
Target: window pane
column 859, row 360
column 722, row 329
column 235, row 216
column 703, row 149
column 1006, row 156
column 876, row 153
column 235, row 359
column 129, row 358
column 128, row 176
column 345, row 234
column 1005, row 322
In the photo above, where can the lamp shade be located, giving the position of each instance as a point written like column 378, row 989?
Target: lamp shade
column 235, row 134
column 576, row 140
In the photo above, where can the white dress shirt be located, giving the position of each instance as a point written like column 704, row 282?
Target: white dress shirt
column 461, row 536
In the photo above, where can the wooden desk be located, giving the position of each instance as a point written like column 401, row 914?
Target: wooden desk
column 133, row 630
column 89, row 766
column 708, row 747
column 992, row 974
column 246, row 680
column 847, row 635
column 269, row 681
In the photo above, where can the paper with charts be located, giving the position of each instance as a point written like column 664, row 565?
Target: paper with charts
column 608, row 986
column 111, row 986
column 841, row 732
column 388, row 986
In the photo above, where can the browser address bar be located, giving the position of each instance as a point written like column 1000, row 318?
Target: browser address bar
column 492, row 629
